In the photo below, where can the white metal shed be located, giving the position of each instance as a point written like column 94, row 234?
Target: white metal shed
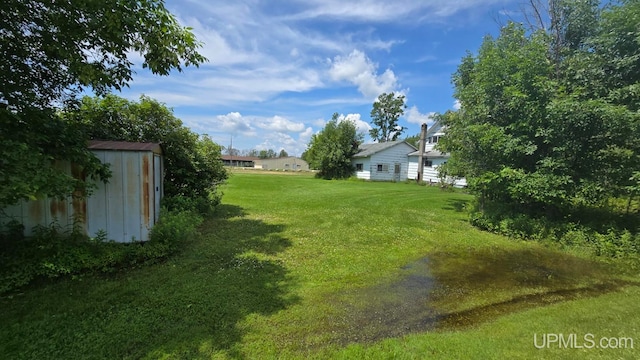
column 126, row 207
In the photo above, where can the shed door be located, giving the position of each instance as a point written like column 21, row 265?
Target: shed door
column 157, row 185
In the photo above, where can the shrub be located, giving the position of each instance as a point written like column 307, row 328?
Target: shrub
column 54, row 251
column 174, row 227
column 202, row 204
column 610, row 241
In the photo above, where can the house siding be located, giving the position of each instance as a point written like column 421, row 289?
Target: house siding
column 430, row 173
column 388, row 158
column 366, row 168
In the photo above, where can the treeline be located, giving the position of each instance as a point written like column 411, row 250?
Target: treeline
column 262, row 154
column 547, row 135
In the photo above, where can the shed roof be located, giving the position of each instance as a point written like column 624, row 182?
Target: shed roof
column 124, row 146
column 366, row 150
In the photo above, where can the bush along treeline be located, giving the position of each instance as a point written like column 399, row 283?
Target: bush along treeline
column 193, row 173
column 330, row 150
column 547, row 134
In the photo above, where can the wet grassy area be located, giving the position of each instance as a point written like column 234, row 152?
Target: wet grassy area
column 451, row 291
column 291, row 267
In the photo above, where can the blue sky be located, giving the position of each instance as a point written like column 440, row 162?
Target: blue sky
column 278, row 70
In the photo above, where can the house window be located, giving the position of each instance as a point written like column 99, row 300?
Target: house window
column 396, row 169
column 383, row 168
column 428, row 163
column 358, row 167
column 286, row 166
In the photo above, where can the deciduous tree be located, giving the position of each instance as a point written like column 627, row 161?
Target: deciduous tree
column 54, row 50
column 330, row 151
column 193, row 167
column 385, row 113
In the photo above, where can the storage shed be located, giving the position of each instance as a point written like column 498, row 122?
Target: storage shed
column 126, row 207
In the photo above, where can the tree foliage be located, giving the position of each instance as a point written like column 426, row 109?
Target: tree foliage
column 53, row 49
column 267, row 154
column 193, row 167
column 551, row 122
column 32, row 144
column 51, row 52
column 413, row 140
column 385, row 113
column 330, row 151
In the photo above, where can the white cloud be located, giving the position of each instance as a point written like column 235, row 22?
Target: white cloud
column 294, row 145
column 387, row 11
column 414, row 116
column 361, row 126
column 359, row 70
column 306, row 134
column 278, row 123
column 234, row 122
column 457, row 105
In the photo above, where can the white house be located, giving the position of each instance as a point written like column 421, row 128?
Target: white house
column 385, row 161
column 432, row 158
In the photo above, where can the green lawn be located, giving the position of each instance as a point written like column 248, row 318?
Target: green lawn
column 295, row 267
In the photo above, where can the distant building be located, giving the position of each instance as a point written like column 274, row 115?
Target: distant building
column 289, row 163
column 239, row 161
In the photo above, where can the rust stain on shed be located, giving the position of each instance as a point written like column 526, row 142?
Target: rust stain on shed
column 35, row 210
column 58, row 208
column 79, row 201
column 145, row 189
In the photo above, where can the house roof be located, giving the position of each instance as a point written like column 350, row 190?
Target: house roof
column 430, row 154
column 294, row 158
column 124, row 146
column 435, row 128
column 366, row 150
column 239, row 158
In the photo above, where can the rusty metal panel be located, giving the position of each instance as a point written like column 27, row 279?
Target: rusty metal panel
column 147, row 170
column 116, row 211
column 97, row 204
column 126, row 207
column 42, row 211
column 10, row 213
column 132, row 203
column 146, row 163
column 157, row 186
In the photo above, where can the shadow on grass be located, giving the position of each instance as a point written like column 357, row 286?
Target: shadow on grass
column 456, row 205
column 192, row 306
column 447, row 290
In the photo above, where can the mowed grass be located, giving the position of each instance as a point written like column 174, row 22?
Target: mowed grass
column 296, row 267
